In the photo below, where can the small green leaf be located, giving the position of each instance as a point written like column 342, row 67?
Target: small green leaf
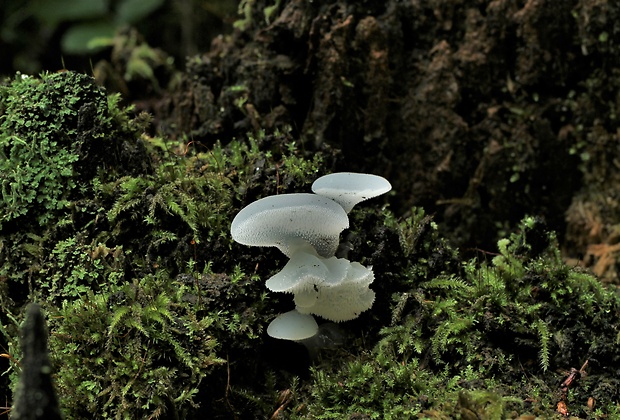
column 131, row 11
column 54, row 12
column 78, row 38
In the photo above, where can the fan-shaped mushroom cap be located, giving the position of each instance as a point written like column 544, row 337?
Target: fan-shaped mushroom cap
column 289, row 221
column 305, row 274
column 306, row 269
column 293, row 325
column 346, row 299
column 350, row 188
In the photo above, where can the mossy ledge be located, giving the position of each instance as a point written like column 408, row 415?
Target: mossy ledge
column 153, row 311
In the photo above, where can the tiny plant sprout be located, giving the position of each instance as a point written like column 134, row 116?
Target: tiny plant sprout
column 293, row 325
column 290, row 222
column 349, row 188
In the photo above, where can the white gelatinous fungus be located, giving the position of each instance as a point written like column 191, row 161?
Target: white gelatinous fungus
column 306, row 228
column 305, row 274
column 293, row 325
column 350, row 188
column 333, row 288
column 346, row 299
column 290, row 221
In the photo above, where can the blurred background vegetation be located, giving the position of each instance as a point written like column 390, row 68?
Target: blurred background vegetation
column 74, row 34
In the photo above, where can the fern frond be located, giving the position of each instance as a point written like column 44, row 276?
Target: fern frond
column 118, row 315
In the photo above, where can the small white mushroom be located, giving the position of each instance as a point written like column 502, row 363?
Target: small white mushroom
column 306, row 274
column 344, row 300
column 305, row 270
column 293, row 325
column 350, row 188
column 289, row 222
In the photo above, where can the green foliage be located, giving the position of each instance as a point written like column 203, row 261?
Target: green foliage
column 521, row 295
column 189, row 199
column 47, row 125
column 134, row 351
column 90, row 20
column 74, row 268
column 187, row 203
column 197, row 200
column 298, row 168
column 125, row 266
column 545, row 337
column 456, row 334
column 378, row 387
column 244, row 10
column 38, row 142
column 250, row 163
column 415, row 231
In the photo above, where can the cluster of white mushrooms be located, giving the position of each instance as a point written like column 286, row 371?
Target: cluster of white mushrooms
column 306, row 228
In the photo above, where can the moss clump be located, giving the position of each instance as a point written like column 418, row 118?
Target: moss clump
column 55, row 131
column 136, row 350
column 127, row 249
column 488, row 337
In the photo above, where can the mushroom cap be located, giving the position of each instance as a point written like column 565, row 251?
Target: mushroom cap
column 350, row 188
column 305, row 270
column 305, row 274
column 346, row 299
column 290, row 221
column 293, row 325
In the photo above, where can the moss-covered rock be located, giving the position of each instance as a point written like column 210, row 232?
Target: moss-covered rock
column 56, row 132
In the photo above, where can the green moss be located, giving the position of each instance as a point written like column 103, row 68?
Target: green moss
column 37, row 143
column 133, row 351
column 382, row 389
column 124, row 240
column 74, row 267
column 479, row 340
column 131, row 256
column 53, row 131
